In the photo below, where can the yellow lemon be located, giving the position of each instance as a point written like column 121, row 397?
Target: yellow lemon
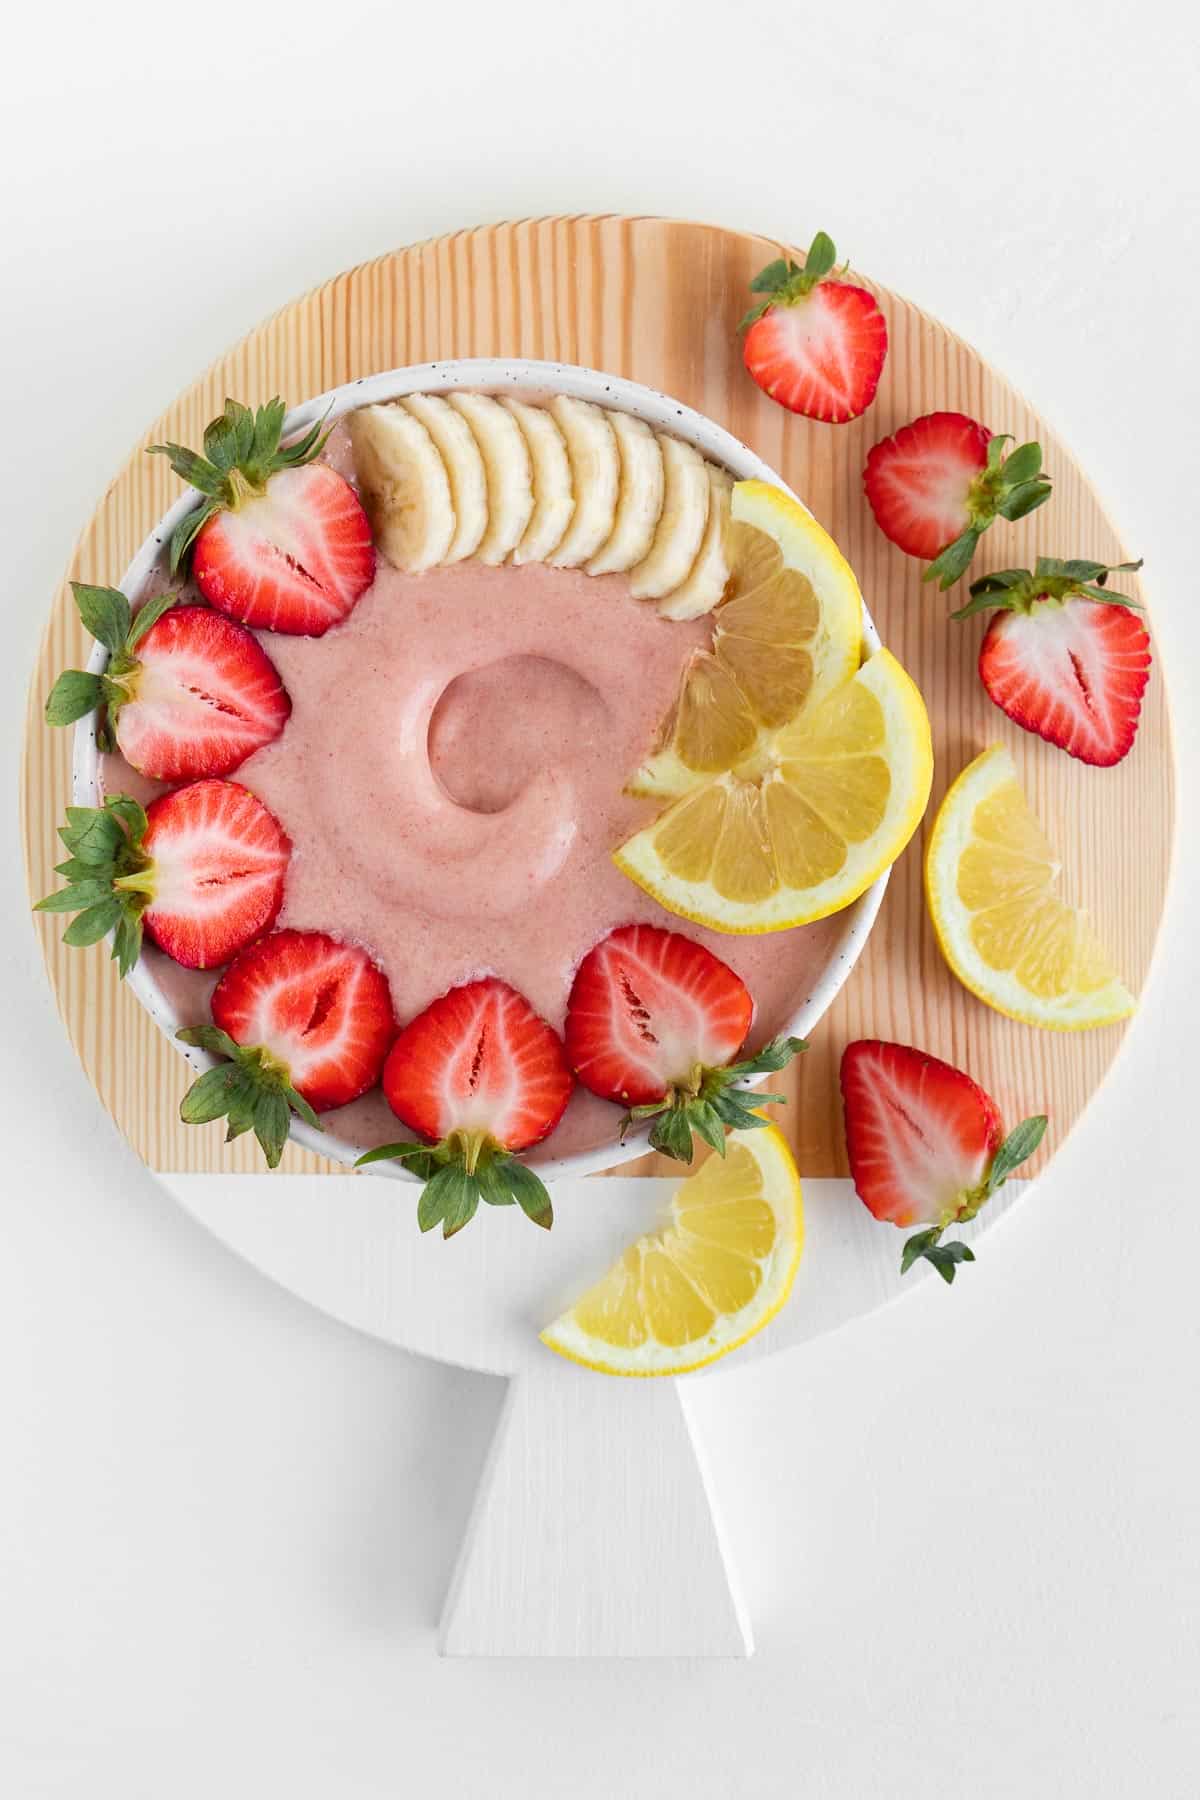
column 991, row 881
column 718, row 1270
column 806, row 822
column 788, row 631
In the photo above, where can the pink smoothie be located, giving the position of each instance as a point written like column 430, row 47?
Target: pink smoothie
column 451, row 779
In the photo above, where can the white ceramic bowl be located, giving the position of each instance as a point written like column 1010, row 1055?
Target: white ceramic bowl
column 534, row 380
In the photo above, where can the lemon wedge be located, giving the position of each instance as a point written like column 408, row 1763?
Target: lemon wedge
column 718, row 1270
column 991, row 881
column 788, row 631
column 803, row 827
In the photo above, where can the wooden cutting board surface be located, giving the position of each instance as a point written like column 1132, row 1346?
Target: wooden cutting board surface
column 658, row 301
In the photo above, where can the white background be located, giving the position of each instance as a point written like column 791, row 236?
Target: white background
column 969, row 1527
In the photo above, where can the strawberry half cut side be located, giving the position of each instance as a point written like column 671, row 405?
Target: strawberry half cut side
column 1064, row 655
column 186, row 692
column 814, row 343
column 654, row 1021
column 279, row 542
column 936, row 485
column 926, row 1145
column 480, row 1076
column 305, row 1022
column 200, row 870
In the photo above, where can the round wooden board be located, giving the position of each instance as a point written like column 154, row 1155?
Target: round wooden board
column 659, row 301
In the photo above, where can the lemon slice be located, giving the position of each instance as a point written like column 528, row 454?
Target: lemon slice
column 789, row 630
column 991, row 880
column 800, row 831
column 713, row 1276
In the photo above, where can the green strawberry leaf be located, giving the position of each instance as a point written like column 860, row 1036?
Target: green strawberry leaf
column 105, row 613
column 951, row 564
column 1017, row 1147
column 148, row 614
column 528, row 1190
column 73, row 696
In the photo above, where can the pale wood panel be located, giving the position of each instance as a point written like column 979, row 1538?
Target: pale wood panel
column 658, row 301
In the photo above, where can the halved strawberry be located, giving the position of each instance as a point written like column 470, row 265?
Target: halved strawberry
column 199, row 696
column 936, row 485
column 279, row 542
column 814, row 344
column 480, row 1075
column 305, row 1022
column 1065, row 656
column 654, row 1021
column 201, row 870
column 926, row 1144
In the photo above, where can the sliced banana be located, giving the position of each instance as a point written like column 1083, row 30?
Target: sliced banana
column 680, row 530
column 404, row 486
column 595, row 478
column 709, row 574
column 553, row 495
column 639, row 497
column 464, row 468
column 509, row 473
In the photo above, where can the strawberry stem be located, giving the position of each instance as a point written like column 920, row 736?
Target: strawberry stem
column 710, row 1102
column 108, row 616
column 1053, row 581
column 1005, row 488
column 252, row 1089
column 110, row 879
column 465, row 1168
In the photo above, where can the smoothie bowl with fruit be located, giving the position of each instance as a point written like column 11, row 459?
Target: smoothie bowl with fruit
column 490, row 756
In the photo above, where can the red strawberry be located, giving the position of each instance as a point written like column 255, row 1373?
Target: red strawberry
column 654, row 1021
column 201, row 870
column 926, row 1144
column 936, row 485
column 305, row 1022
column 815, row 345
column 1064, row 656
column 480, row 1075
column 279, row 542
column 199, row 696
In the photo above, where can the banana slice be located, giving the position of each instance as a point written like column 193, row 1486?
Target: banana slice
column 595, row 478
column 681, row 524
column 464, row 468
column 553, row 495
column 709, row 573
column 639, row 496
column 509, row 473
column 404, row 486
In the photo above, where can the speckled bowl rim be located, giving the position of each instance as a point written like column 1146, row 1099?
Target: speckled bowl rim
column 535, row 380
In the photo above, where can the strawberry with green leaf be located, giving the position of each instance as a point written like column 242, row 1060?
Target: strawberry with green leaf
column 655, row 1023
column 185, row 693
column 936, row 485
column 279, row 541
column 814, row 342
column 926, row 1145
column 200, row 871
column 303, row 1023
column 1065, row 655
column 481, row 1077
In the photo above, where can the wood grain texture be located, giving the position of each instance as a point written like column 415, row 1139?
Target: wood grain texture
column 658, row 301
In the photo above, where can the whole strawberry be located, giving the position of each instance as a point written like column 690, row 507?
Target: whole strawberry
column 1064, row 655
column 815, row 343
column 200, row 870
column 481, row 1077
column 654, row 1023
column 936, row 485
column 279, row 541
column 302, row 1022
column 186, row 692
column 926, row 1145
